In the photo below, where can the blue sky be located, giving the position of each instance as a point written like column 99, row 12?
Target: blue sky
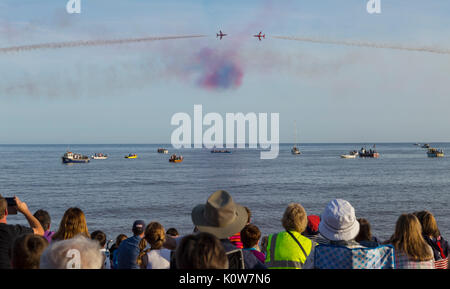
column 128, row 93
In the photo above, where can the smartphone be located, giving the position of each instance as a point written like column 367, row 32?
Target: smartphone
column 12, row 206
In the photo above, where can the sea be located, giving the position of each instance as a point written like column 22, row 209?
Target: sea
column 113, row 193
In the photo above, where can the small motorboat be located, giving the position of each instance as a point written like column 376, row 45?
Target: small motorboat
column 175, row 159
column 363, row 153
column 70, row 157
column 163, row 151
column 99, row 156
column 426, row 146
column 435, row 153
column 295, row 151
column 131, row 156
column 350, row 155
column 216, row 151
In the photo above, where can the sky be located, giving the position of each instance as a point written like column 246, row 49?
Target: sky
column 128, row 93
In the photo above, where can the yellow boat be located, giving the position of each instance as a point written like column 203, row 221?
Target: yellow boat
column 131, row 156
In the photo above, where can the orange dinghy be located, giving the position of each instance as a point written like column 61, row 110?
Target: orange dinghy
column 175, row 159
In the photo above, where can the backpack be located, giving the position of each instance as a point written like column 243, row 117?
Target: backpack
column 235, row 259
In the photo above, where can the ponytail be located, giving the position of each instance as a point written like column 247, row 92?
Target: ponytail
column 142, row 251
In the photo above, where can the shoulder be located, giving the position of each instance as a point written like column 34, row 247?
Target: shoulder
column 15, row 230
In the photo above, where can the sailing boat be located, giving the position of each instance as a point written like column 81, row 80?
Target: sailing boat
column 295, row 150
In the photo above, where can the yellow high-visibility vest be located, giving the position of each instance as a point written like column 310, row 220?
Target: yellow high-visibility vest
column 283, row 252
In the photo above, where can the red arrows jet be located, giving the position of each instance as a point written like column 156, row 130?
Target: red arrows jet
column 260, row 35
column 220, row 34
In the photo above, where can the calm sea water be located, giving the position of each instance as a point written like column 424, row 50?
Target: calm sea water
column 115, row 192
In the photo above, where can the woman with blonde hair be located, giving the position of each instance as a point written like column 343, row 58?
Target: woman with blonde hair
column 73, row 223
column 411, row 250
column 432, row 236
column 155, row 256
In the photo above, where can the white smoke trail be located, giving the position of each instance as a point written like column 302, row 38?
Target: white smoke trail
column 367, row 44
column 85, row 43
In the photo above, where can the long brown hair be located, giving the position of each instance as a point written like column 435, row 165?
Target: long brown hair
column 155, row 236
column 408, row 239
column 428, row 222
column 72, row 223
column 365, row 232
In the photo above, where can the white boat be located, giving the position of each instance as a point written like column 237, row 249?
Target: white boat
column 351, row 155
column 99, row 156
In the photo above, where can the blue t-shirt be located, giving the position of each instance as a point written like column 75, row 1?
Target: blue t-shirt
column 128, row 252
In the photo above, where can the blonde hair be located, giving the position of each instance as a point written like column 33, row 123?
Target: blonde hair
column 408, row 239
column 155, row 236
column 294, row 218
column 73, row 223
column 428, row 222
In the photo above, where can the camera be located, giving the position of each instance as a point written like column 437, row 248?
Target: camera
column 12, row 206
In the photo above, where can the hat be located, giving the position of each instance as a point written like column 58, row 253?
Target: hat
column 313, row 224
column 338, row 221
column 138, row 227
column 220, row 216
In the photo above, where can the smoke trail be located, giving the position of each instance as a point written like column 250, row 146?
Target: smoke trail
column 85, row 43
column 367, row 44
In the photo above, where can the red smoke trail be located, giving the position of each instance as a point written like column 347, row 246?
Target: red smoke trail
column 86, row 43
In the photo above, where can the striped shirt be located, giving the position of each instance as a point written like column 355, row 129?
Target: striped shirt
column 402, row 261
column 236, row 240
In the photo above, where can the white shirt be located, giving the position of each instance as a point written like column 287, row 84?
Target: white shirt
column 158, row 259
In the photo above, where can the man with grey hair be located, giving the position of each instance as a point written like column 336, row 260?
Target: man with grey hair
column 75, row 253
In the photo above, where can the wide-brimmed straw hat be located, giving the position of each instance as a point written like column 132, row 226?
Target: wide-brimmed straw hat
column 220, row 216
column 338, row 221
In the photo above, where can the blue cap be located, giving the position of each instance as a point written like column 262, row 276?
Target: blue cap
column 138, row 227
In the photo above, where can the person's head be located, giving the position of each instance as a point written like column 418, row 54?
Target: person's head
column 3, row 208
column 249, row 215
column 220, row 216
column 154, row 237
column 338, row 221
column 312, row 227
column 201, row 251
column 294, row 218
column 138, row 228
column 75, row 253
column 27, row 250
column 43, row 218
column 120, row 238
column 365, row 232
column 250, row 236
column 428, row 222
column 100, row 237
column 172, row 233
column 73, row 223
column 408, row 239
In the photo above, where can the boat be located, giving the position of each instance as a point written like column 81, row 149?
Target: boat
column 435, row 153
column 175, row 159
column 131, row 156
column 70, row 157
column 220, row 151
column 426, row 146
column 163, row 151
column 99, row 156
column 350, row 155
column 295, row 150
column 372, row 153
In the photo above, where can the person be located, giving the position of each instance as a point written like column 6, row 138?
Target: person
column 78, row 252
column 289, row 249
column 100, row 237
column 250, row 236
column 155, row 257
column 128, row 250
column 45, row 220
column 27, row 250
column 411, row 250
column 223, row 218
column 312, row 230
column 172, row 232
column 201, row 251
column 432, row 236
column 8, row 233
column 113, row 250
column 236, row 238
column 365, row 236
column 73, row 223
column 339, row 227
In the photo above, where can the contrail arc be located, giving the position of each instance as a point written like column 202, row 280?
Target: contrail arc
column 86, row 43
column 367, row 44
